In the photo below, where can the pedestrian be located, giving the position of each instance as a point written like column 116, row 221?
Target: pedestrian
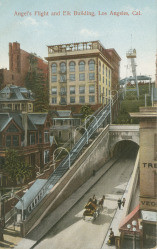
column 101, row 202
column 111, row 240
column 94, row 200
column 119, row 203
column 1, row 232
column 123, row 202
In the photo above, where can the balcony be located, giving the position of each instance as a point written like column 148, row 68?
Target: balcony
column 63, row 81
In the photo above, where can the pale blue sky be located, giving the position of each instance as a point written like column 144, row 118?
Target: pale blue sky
column 34, row 33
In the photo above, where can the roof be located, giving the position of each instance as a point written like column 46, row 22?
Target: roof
column 4, row 120
column 31, row 193
column 139, row 77
column 134, row 215
column 37, row 118
column 63, row 113
column 15, row 93
column 33, row 120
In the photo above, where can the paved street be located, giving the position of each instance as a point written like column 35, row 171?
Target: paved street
column 72, row 231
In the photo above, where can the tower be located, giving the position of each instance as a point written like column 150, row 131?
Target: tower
column 131, row 55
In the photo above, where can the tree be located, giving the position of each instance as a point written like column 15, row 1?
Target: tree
column 16, row 168
column 86, row 110
column 37, row 82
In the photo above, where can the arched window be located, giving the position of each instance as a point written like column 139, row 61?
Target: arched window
column 91, row 65
column 72, row 66
column 63, row 67
column 81, row 66
column 54, row 68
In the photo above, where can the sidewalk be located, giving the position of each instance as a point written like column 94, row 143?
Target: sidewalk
column 11, row 237
column 115, row 221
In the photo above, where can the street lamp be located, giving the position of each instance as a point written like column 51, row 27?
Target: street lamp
column 133, row 228
column 79, row 128
column 59, row 148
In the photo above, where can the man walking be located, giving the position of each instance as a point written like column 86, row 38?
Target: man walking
column 119, row 203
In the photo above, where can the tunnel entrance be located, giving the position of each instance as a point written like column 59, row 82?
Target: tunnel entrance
column 125, row 146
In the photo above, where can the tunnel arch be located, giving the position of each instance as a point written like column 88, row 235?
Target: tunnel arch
column 123, row 145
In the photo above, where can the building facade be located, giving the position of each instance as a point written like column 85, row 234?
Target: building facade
column 20, row 63
column 148, row 173
column 14, row 98
column 29, row 134
column 81, row 73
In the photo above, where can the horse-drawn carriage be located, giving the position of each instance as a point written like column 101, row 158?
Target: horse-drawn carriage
column 91, row 210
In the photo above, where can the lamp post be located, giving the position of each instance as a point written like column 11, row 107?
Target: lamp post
column 59, row 148
column 133, row 228
column 79, row 128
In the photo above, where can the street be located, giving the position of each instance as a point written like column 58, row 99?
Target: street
column 74, row 232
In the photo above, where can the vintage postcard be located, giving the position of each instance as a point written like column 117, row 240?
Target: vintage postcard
column 78, row 124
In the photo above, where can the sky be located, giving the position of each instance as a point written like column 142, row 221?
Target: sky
column 135, row 27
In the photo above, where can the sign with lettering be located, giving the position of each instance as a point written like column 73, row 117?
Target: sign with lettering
column 149, row 204
column 150, row 165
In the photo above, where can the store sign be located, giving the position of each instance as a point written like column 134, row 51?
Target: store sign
column 150, row 165
column 148, row 203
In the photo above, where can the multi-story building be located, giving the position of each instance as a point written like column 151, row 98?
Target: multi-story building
column 15, row 98
column 27, row 133
column 20, row 63
column 81, row 73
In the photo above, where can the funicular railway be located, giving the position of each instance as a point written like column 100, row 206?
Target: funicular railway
column 101, row 118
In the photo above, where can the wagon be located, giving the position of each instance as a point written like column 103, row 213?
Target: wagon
column 91, row 210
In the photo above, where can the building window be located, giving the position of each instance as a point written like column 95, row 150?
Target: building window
column 72, row 89
column 99, row 77
column 103, row 79
column 109, row 74
column 40, row 137
column 63, row 67
column 91, row 65
column 46, row 136
column 54, row 100
column 72, row 77
column 8, row 141
column 82, row 99
column 106, row 82
column 91, row 89
column 81, row 89
column 106, row 91
column 103, row 69
column 99, row 66
column 32, row 139
column 91, row 99
column 63, row 78
column 46, row 156
column 72, row 100
column 91, row 76
column 15, row 140
column 106, row 71
column 54, row 68
column 54, row 90
column 72, row 66
column 54, row 78
column 81, row 66
column 109, row 83
column 81, row 77
column 60, row 134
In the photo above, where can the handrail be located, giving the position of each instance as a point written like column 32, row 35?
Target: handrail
column 63, row 167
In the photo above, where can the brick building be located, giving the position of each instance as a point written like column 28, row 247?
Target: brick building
column 29, row 134
column 20, row 63
column 82, row 73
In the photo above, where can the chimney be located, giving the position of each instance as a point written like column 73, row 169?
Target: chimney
column 25, row 126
